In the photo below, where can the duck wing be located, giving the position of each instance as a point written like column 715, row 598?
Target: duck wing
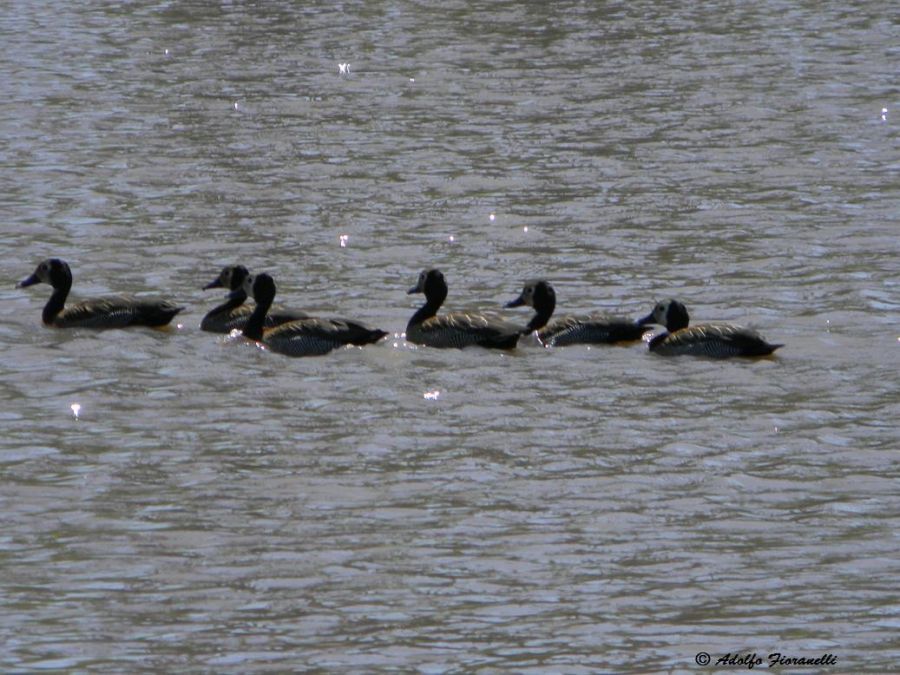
column 596, row 328
column 278, row 315
column 229, row 319
column 464, row 329
column 315, row 336
column 716, row 340
column 117, row 312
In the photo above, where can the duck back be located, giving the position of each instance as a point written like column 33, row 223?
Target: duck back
column 317, row 336
column 714, row 341
column 458, row 330
column 225, row 321
column 590, row 329
column 116, row 312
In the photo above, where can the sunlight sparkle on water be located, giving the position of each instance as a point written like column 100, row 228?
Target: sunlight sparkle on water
column 492, row 217
column 432, row 395
column 451, row 239
column 884, row 114
column 343, row 69
column 76, row 408
column 344, row 238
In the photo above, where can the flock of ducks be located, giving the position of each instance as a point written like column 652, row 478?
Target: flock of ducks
column 295, row 333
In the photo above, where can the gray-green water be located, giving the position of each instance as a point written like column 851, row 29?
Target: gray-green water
column 222, row 509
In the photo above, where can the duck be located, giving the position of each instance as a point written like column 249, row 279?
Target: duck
column 716, row 340
column 311, row 336
column 457, row 329
column 594, row 328
column 233, row 313
column 118, row 311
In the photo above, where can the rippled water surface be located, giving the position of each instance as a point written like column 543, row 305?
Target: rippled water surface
column 215, row 507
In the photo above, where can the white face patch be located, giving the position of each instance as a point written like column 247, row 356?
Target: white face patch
column 420, row 283
column 660, row 312
column 528, row 294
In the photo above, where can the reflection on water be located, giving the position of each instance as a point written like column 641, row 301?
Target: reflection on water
column 184, row 500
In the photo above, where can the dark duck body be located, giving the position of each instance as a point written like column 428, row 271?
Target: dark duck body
column 233, row 313
column 303, row 337
column 456, row 329
column 595, row 328
column 715, row 340
column 118, row 311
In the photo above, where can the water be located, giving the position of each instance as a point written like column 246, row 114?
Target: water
column 218, row 508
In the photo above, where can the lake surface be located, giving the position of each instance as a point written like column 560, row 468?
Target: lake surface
column 213, row 507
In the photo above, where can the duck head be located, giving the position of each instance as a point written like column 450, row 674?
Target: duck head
column 432, row 284
column 669, row 313
column 231, row 277
column 51, row 271
column 537, row 294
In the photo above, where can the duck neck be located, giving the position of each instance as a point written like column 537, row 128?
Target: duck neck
column 253, row 329
column 429, row 309
column 676, row 324
column 657, row 340
column 57, row 301
column 542, row 313
column 228, row 305
column 677, row 318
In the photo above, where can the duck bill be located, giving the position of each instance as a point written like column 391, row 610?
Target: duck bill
column 518, row 302
column 30, row 281
column 647, row 320
column 415, row 289
column 213, row 284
